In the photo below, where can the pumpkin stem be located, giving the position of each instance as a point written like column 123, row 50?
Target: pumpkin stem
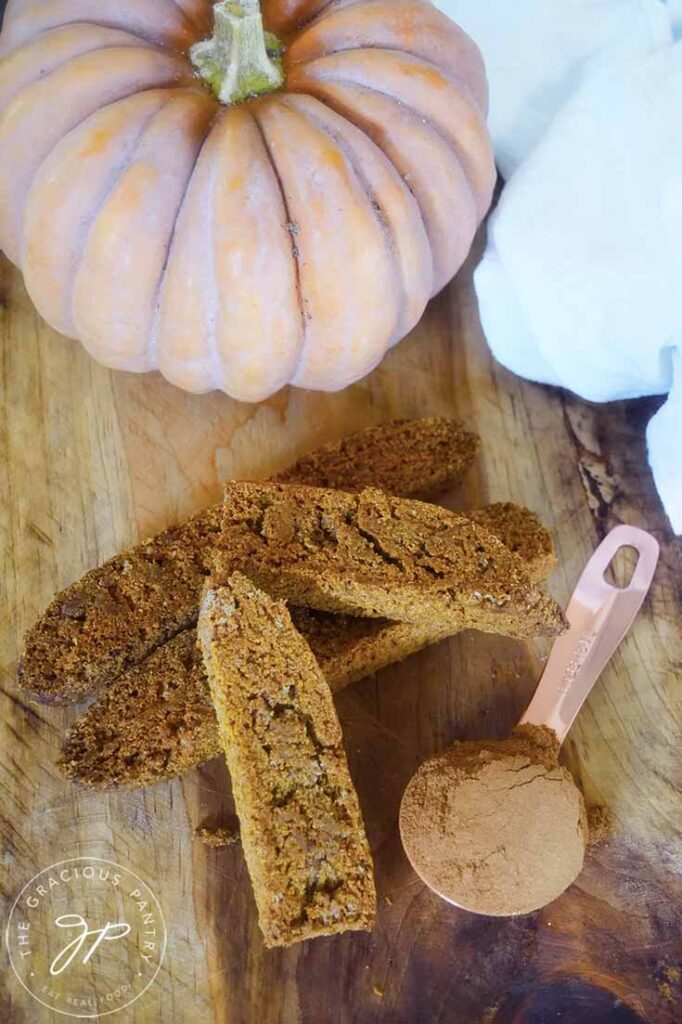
column 241, row 59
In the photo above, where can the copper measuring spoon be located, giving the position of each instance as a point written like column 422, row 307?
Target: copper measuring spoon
column 599, row 615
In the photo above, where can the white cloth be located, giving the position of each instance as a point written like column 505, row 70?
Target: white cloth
column 664, row 441
column 675, row 7
column 537, row 51
column 581, row 282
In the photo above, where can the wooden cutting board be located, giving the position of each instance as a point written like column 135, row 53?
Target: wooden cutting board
column 93, row 460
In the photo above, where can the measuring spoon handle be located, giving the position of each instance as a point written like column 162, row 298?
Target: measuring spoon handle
column 599, row 616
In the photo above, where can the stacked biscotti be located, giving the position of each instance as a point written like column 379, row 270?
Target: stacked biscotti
column 157, row 720
column 368, row 578
column 367, row 554
column 117, row 614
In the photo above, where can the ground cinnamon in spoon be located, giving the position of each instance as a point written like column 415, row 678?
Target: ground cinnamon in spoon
column 496, row 826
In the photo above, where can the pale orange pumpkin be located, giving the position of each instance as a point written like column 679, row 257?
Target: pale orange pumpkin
column 289, row 238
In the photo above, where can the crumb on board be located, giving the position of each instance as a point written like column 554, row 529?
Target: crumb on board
column 216, row 837
column 667, row 983
column 599, row 823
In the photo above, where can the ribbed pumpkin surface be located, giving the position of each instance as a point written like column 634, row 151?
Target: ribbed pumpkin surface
column 291, row 238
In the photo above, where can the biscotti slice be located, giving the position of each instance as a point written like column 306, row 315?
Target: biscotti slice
column 116, row 614
column 154, row 722
column 349, row 648
column 301, row 828
column 157, row 720
column 408, row 458
column 520, row 531
column 378, row 556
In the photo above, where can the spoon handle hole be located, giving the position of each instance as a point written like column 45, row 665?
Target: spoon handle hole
column 621, row 568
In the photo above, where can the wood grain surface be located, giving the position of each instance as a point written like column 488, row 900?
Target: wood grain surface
column 93, row 460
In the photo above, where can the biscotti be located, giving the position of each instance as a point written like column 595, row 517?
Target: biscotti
column 301, row 828
column 116, row 614
column 374, row 555
column 157, row 720
column 520, row 531
column 408, row 458
column 154, row 722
